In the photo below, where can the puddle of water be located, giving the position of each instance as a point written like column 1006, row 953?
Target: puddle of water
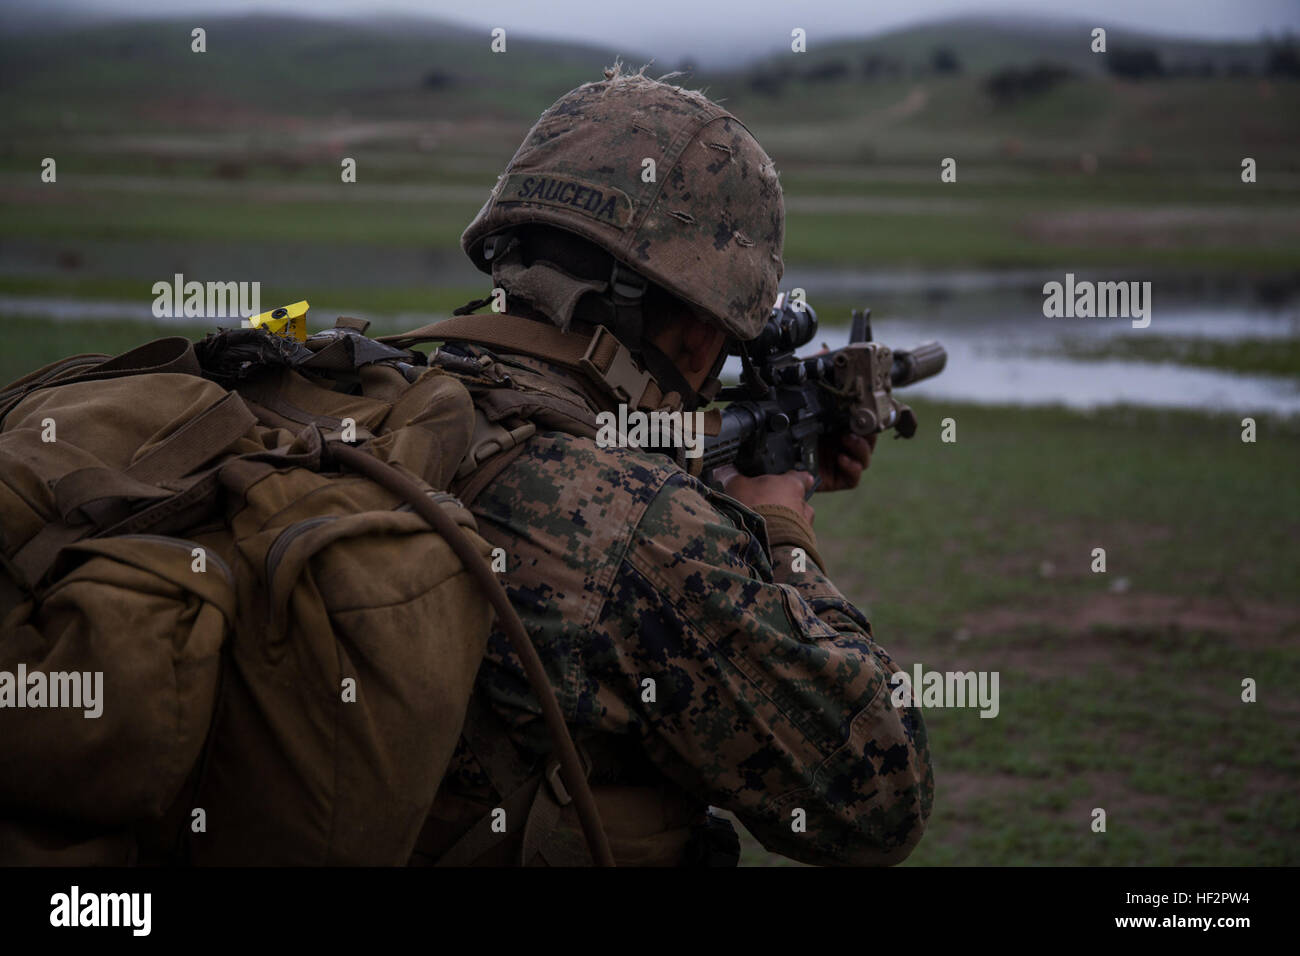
column 999, row 343
column 72, row 310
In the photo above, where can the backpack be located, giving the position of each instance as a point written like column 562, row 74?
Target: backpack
column 240, row 616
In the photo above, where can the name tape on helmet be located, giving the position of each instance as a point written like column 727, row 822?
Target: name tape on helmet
column 601, row 203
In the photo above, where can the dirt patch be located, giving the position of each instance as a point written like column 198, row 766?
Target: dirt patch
column 1256, row 623
column 1112, row 793
column 914, row 102
column 1074, row 635
column 1161, row 227
column 962, row 788
column 1066, row 548
column 213, row 111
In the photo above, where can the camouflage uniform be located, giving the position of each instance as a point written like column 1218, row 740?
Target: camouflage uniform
column 770, row 693
column 687, row 652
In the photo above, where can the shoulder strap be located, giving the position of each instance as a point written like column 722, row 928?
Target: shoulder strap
column 472, row 485
column 601, row 357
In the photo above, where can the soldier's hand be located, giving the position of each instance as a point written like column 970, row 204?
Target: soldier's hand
column 788, row 490
column 843, row 460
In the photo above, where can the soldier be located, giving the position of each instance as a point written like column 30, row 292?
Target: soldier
column 700, row 652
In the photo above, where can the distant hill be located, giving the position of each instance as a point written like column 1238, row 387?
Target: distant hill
column 387, row 67
column 401, row 66
column 1025, row 89
column 280, row 84
column 986, row 43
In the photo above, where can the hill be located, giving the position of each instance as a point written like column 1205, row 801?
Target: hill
column 277, row 85
column 1058, row 153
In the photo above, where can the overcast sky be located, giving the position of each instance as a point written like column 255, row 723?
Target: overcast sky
column 715, row 29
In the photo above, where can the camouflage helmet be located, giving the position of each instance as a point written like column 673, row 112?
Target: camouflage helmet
column 708, row 225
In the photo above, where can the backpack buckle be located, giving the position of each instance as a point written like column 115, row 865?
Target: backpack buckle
column 620, row 375
column 556, row 783
column 491, row 438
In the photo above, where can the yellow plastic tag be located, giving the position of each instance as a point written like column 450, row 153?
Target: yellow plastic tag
column 288, row 321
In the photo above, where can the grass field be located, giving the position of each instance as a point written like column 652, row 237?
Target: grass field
column 924, row 225
column 1119, row 690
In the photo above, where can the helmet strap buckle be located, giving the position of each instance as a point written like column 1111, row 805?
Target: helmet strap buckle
column 627, row 284
column 497, row 244
column 627, row 290
column 620, row 373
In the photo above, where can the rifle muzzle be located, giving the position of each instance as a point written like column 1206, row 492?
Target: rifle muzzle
column 913, row 365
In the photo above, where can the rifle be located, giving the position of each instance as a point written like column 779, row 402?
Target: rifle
column 784, row 405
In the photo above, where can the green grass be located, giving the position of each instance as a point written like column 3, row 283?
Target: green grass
column 37, row 342
column 371, row 302
column 1001, row 240
column 1129, row 700
column 1181, row 504
column 1267, row 356
column 946, row 233
column 111, row 215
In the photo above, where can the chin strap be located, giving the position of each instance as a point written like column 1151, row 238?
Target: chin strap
column 668, row 376
column 627, row 321
column 554, row 292
column 713, row 383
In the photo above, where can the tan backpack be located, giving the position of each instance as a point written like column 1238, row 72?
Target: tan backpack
column 246, row 616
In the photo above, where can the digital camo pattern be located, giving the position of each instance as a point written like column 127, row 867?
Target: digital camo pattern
column 709, row 226
column 771, row 695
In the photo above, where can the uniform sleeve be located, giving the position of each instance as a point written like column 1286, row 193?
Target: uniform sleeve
column 767, row 697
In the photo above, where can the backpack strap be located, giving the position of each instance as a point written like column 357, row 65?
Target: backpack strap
column 104, row 496
column 475, row 481
column 601, row 357
column 489, row 438
column 49, row 373
column 537, row 797
column 565, row 752
column 200, row 439
column 172, row 354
